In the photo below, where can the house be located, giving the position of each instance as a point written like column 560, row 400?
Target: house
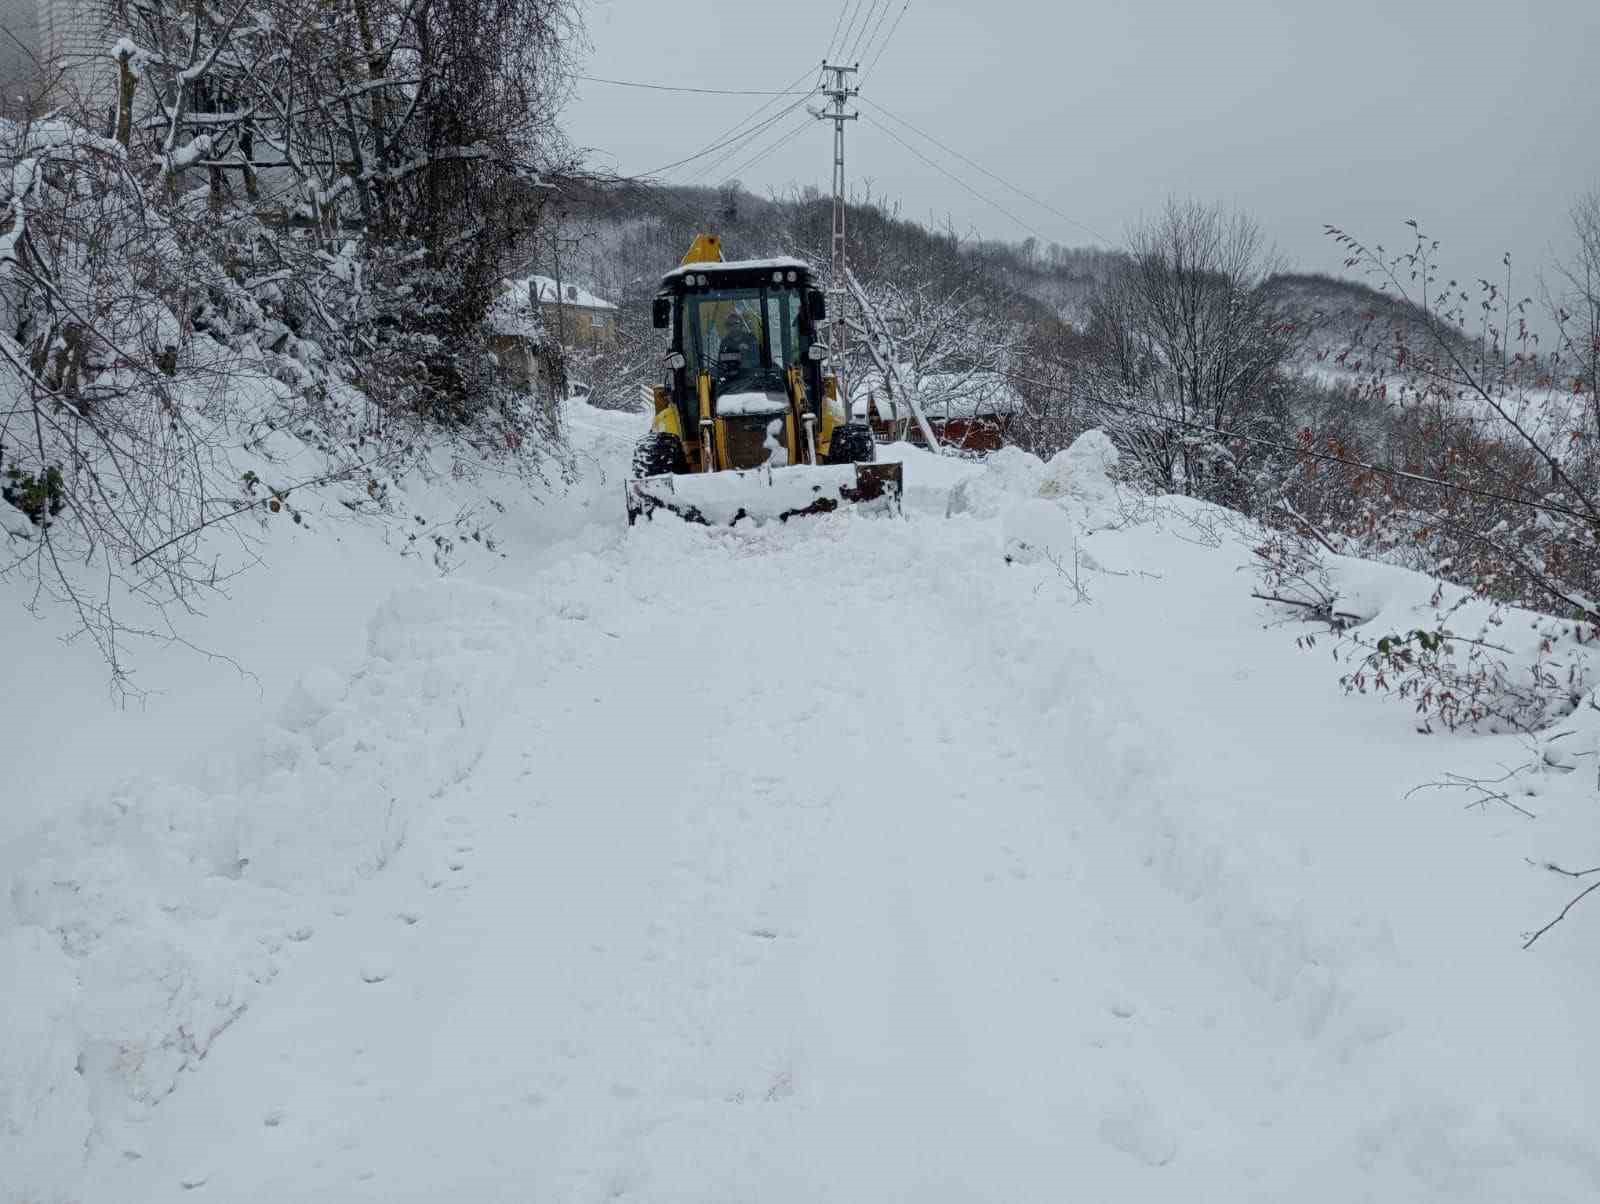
column 972, row 411
column 571, row 312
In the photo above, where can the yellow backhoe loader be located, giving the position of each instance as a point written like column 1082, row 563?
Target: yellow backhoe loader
column 748, row 426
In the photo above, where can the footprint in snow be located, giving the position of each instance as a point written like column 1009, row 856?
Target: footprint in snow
column 1132, row 1124
column 376, row 967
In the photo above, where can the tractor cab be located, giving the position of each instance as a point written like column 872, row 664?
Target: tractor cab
column 751, row 329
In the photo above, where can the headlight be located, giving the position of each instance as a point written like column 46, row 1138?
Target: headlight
column 817, row 351
column 777, row 278
column 677, row 361
column 791, row 277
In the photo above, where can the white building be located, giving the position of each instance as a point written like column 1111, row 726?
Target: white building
column 56, row 54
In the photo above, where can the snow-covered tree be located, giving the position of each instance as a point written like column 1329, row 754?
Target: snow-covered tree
column 1186, row 342
column 289, row 204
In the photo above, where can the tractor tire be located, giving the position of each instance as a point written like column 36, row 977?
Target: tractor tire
column 852, row 444
column 658, row 453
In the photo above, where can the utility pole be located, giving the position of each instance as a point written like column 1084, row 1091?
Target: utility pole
column 838, row 91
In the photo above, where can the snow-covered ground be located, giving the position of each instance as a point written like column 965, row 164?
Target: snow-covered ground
column 1007, row 852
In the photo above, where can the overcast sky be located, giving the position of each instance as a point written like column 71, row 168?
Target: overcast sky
column 1482, row 122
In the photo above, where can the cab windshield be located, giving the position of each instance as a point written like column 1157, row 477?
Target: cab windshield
column 746, row 338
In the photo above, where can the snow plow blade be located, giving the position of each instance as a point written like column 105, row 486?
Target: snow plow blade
column 764, row 495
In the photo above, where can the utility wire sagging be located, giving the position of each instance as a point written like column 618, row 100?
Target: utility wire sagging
column 738, row 133
column 776, row 144
column 628, row 83
column 951, row 176
column 998, row 179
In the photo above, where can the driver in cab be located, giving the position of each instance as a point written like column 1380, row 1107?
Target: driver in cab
column 739, row 354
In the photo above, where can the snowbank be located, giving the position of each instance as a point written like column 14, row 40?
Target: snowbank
column 157, row 869
column 1044, row 508
column 144, row 923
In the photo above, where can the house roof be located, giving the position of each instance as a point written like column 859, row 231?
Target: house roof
column 944, row 395
column 567, row 293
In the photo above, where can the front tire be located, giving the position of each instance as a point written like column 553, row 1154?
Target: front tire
column 658, row 453
column 852, row 444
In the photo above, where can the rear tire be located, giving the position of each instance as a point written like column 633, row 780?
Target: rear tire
column 658, row 453
column 852, row 444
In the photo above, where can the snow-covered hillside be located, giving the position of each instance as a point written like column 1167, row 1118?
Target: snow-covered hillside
column 1008, row 852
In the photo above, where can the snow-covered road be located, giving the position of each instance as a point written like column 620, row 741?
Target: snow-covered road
column 748, row 900
column 846, row 861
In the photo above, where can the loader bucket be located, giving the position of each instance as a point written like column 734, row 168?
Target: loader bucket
column 762, row 495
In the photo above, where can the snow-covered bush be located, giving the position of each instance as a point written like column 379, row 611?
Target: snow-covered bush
column 1475, row 667
column 117, row 417
column 1460, row 659
column 261, row 243
column 1484, row 470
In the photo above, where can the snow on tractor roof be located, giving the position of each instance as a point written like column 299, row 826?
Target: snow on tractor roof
column 778, row 263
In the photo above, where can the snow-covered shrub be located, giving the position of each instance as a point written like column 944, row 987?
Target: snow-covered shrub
column 118, row 415
column 1290, row 571
column 1489, row 473
column 1470, row 667
column 1460, row 659
column 1482, row 474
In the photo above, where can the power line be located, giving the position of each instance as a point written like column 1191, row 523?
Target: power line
column 850, row 25
column 745, row 140
column 837, row 21
column 782, row 140
column 765, row 105
column 873, row 36
column 628, row 83
column 953, row 177
column 1398, row 474
column 883, row 45
column 728, row 141
column 1022, row 192
column 861, row 33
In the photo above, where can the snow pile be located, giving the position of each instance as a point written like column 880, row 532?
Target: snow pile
column 739, row 405
column 1043, row 508
column 142, row 924
column 929, row 478
column 1006, row 475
